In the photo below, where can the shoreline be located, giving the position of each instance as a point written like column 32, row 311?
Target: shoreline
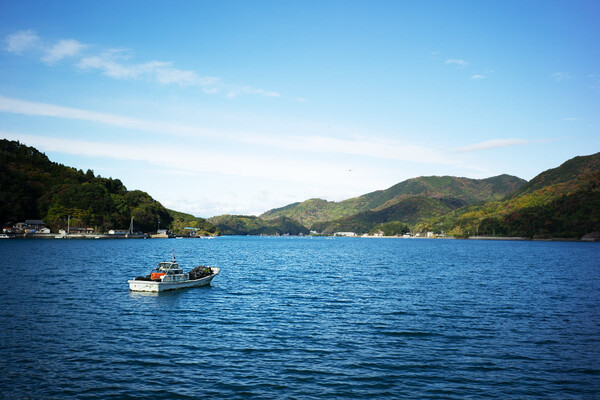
column 72, row 236
column 500, row 238
column 147, row 236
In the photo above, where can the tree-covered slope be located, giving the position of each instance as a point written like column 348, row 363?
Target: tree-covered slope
column 252, row 225
column 181, row 221
column 463, row 190
column 408, row 211
column 33, row 187
column 574, row 168
column 455, row 191
column 561, row 202
column 316, row 210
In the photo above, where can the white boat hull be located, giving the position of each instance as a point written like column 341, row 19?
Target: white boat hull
column 153, row 286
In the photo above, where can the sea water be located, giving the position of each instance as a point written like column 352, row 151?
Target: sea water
column 301, row 318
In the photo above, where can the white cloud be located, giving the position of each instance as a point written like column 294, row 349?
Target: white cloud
column 113, row 63
column 482, row 75
column 160, row 71
column 249, row 90
column 246, row 165
column 457, row 62
column 167, row 75
column 371, row 147
column 561, row 76
column 109, row 67
column 492, row 144
column 62, row 49
column 24, row 107
column 21, row 41
column 363, row 147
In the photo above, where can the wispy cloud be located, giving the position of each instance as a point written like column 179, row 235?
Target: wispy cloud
column 248, row 90
column 482, row 74
column 492, row 144
column 476, row 74
column 457, row 62
column 21, row 41
column 366, row 147
column 17, row 106
column 286, row 169
column 62, row 49
column 561, row 76
column 116, row 64
column 371, row 147
column 111, row 64
column 595, row 78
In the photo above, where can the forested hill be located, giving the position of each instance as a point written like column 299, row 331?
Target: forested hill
column 577, row 168
column 562, row 202
column 33, row 187
column 252, row 225
column 453, row 191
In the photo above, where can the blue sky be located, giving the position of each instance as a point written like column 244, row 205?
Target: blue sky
column 238, row 107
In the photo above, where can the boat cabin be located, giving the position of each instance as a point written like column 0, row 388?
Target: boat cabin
column 169, row 271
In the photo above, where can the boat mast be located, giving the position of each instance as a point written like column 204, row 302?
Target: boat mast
column 131, row 226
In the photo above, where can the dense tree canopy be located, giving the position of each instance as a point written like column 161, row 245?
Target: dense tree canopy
column 251, row 225
column 33, row 187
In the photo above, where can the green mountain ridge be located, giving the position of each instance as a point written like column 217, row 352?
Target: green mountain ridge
column 455, row 191
column 562, row 202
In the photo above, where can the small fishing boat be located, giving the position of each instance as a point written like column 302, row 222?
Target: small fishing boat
column 169, row 276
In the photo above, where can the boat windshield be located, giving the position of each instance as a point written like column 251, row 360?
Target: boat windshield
column 168, row 265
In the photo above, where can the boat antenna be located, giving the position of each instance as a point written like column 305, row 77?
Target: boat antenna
column 173, row 255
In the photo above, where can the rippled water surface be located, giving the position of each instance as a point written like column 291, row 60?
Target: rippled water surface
column 302, row 318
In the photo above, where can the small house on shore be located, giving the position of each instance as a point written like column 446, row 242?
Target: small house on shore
column 29, row 226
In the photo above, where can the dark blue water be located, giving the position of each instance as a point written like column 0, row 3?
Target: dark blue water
column 302, row 318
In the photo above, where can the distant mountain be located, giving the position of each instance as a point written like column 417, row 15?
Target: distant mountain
column 409, row 210
column 252, row 225
column 454, row 192
column 562, row 202
column 33, row 187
